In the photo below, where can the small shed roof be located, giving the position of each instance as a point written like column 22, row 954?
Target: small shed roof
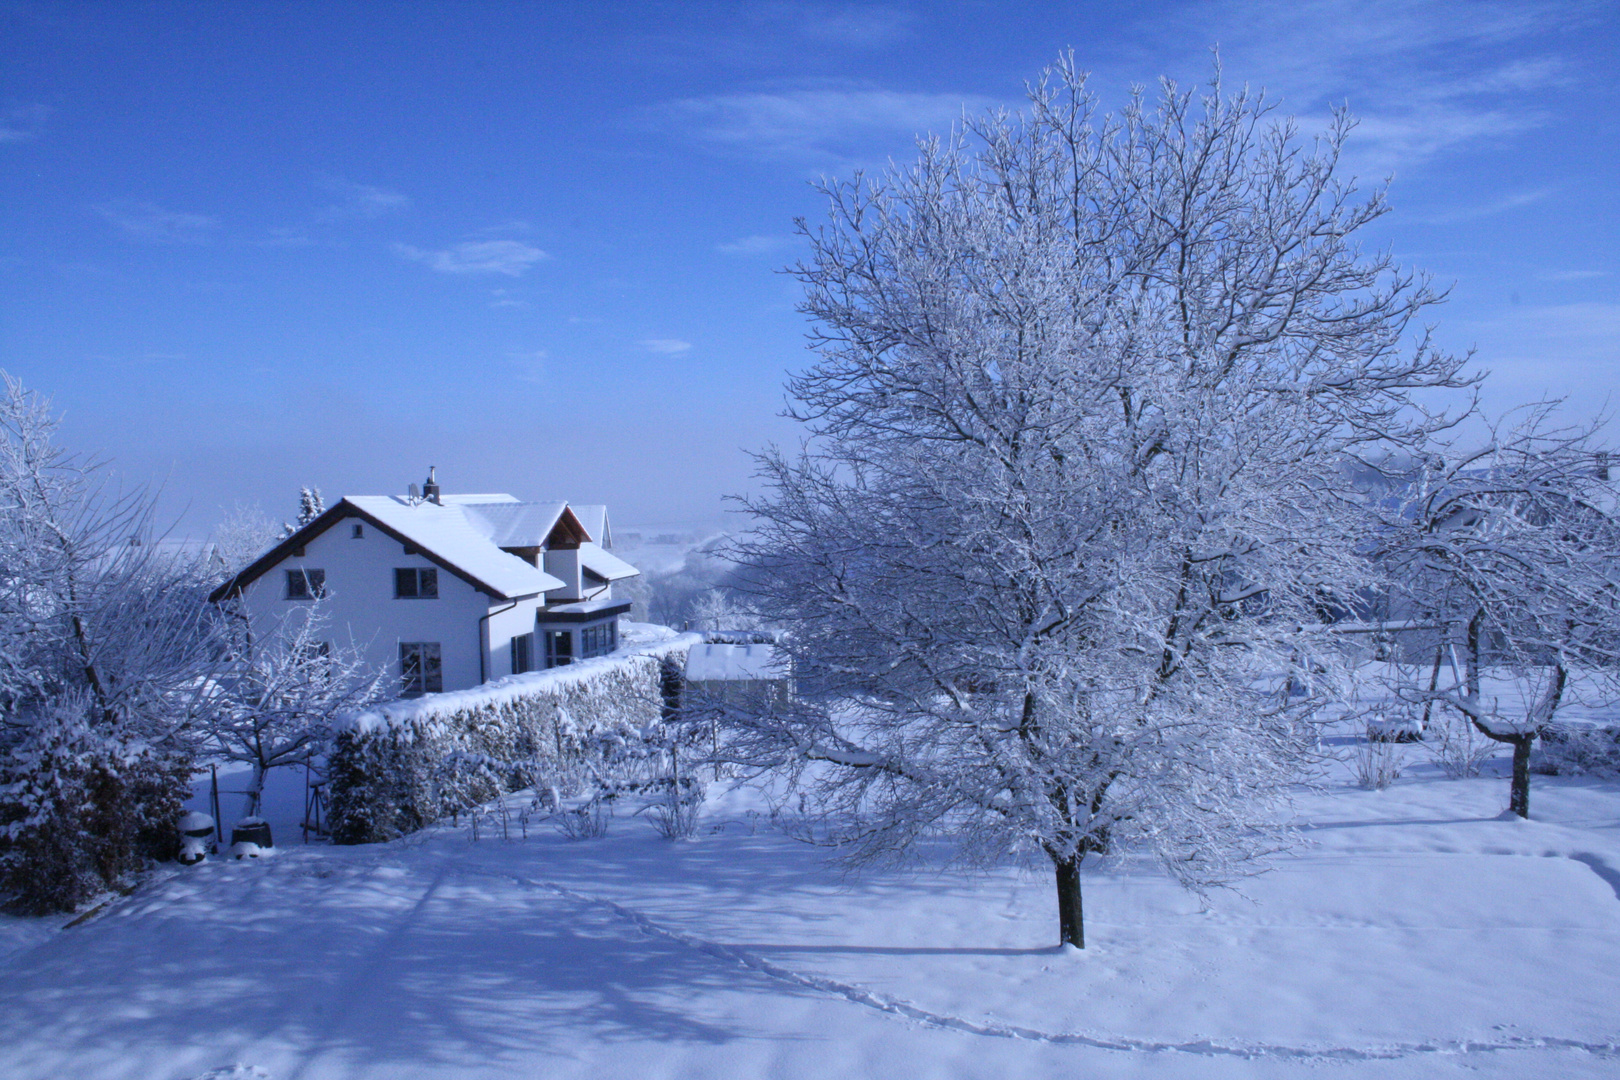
column 729, row 663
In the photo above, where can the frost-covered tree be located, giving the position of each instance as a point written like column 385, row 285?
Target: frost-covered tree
column 1072, row 505
column 242, row 535
column 1512, row 552
column 310, row 507
column 281, row 694
column 105, row 653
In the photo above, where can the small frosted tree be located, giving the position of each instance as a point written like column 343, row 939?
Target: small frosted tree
column 310, row 507
column 281, row 695
column 242, row 535
column 1511, row 552
column 1072, row 507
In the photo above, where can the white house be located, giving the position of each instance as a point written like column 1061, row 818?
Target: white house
column 448, row 591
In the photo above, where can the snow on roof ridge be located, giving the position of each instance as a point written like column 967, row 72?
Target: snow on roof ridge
column 492, row 497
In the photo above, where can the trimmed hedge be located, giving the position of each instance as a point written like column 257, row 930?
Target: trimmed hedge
column 403, row 766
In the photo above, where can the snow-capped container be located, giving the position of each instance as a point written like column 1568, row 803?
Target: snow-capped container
column 196, row 837
column 252, row 830
column 246, row 849
column 196, row 824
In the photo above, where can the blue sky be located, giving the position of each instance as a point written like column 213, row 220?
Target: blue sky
column 251, row 246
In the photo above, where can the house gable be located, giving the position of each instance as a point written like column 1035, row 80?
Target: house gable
column 340, row 512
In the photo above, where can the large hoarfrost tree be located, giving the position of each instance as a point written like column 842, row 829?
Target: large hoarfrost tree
column 105, row 652
column 1072, row 510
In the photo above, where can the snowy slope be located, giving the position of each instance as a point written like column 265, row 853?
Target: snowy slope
column 1418, row 934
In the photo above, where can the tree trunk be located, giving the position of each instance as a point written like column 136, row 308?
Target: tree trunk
column 254, row 796
column 1434, row 681
column 1519, row 800
column 1071, row 923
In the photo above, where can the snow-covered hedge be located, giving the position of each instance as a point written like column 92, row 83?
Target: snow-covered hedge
column 406, row 764
column 1578, row 749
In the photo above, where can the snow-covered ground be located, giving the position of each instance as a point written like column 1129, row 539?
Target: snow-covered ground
column 1418, row 933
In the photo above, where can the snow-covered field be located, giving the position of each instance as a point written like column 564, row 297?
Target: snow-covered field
column 1417, row 934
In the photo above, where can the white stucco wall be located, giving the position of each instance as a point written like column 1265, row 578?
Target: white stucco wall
column 360, row 605
column 503, row 626
column 563, row 564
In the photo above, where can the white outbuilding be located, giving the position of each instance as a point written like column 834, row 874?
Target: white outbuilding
column 448, row 591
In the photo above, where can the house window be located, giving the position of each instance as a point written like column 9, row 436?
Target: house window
column 359, row 533
column 597, row 640
column 559, row 648
column 306, row 584
column 421, row 670
column 522, row 653
column 416, row 583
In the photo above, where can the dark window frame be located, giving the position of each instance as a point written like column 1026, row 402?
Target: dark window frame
column 421, row 668
column 597, row 640
column 557, row 657
column 416, row 583
column 305, row 583
column 523, row 653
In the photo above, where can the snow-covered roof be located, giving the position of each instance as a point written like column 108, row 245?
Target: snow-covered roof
column 515, row 524
column 604, row 564
column 491, row 498
column 715, row 663
column 465, row 534
column 454, row 533
column 594, row 517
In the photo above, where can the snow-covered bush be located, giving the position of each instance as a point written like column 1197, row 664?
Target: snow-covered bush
column 1569, row 750
column 1401, row 727
column 675, row 816
column 1459, row 749
column 82, row 809
column 1378, row 764
column 588, row 821
column 582, row 728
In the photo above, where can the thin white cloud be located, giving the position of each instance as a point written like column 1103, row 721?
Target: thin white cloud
column 817, row 124
column 19, row 123
column 1425, row 79
column 1490, row 209
column 286, row 238
column 1571, row 275
column 510, row 257
column 865, row 26
column 362, row 200
column 150, row 222
column 757, row 245
column 530, row 366
column 509, row 228
column 666, row 346
column 505, row 299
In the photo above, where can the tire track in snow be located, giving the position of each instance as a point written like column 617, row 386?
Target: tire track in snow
column 905, row 1009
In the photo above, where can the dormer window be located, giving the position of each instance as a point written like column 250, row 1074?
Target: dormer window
column 306, row 584
column 416, row 583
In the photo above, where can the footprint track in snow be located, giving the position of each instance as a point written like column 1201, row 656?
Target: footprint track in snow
column 904, row 1009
